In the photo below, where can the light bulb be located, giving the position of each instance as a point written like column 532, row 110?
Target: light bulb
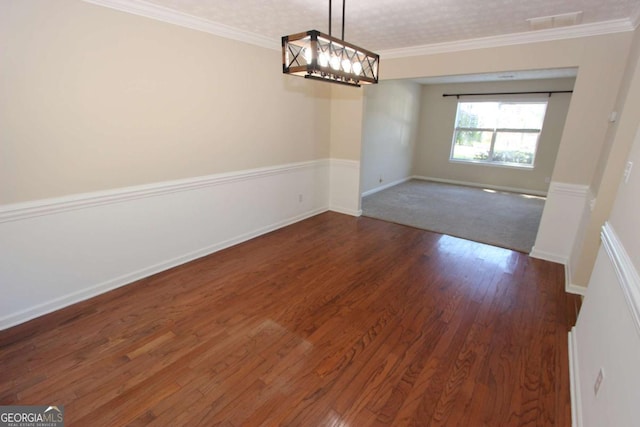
column 323, row 59
column 307, row 55
column 346, row 65
column 335, row 63
column 357, row 68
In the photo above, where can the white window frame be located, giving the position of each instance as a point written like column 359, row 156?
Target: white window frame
column 495, row 132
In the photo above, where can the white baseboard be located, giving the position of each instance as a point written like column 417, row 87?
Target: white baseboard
column 570, row 287
column 548, row 256
column 57, row 252
column 385, row 186
column 574, row 381
column 559, row 259
column 575, row 289
column 345, row 211
column 479, row 185
column 125, row 279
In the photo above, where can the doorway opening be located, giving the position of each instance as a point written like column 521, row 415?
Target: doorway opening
column 470, row 155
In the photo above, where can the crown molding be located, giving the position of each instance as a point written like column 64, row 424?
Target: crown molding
column 171, row 16
column 575, row 31
column 24, row 210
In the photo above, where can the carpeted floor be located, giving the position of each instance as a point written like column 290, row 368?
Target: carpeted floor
column 508, row 220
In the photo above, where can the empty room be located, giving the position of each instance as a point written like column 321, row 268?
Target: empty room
column 182, row 238
column 471, row 156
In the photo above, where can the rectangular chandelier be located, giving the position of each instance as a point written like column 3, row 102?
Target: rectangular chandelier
column 319, row 56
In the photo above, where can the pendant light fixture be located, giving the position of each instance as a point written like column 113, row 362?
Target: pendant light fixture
column 319, row 56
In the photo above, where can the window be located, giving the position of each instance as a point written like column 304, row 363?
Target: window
column 499, row 133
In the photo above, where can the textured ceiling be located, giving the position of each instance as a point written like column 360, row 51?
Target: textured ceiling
column 392, row 24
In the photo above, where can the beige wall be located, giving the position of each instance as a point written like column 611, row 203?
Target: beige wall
column 623, row 94
column 346, row 122
column 436, row 129
column 390, row 128
column 600, row 61
column 612, row 163
column 93, row 99
column 626, row 211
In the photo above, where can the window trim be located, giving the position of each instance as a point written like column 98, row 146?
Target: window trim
column 495, row 131
column 506, row 165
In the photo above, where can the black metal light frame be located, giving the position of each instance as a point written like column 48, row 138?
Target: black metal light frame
column 319, row 56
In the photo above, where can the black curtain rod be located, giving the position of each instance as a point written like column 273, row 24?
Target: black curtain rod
column 458, row 95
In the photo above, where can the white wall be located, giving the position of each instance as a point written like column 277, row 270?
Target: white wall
column 390, row 127
column 560, row 222
column 607, row 335
column 59, row 251
column 344, row 182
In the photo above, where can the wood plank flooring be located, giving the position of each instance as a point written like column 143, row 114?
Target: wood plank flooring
column 333, row 321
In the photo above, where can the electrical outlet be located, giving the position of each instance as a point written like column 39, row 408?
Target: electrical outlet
column 598, row 383
column 380, row 179
column 300, row 198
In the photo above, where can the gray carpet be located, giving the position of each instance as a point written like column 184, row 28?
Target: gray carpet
column 508, row 220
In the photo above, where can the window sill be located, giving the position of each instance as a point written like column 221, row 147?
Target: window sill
column 493, row 164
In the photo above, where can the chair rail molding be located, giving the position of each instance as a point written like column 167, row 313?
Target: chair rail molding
column 627, row 274
column 60, row 251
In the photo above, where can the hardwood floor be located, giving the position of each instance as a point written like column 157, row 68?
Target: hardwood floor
column 333, row 321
